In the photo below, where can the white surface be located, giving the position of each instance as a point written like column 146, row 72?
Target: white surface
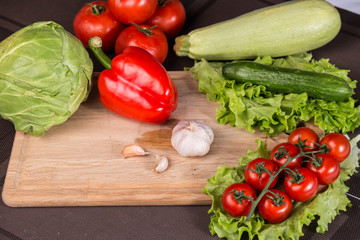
column 350, row 5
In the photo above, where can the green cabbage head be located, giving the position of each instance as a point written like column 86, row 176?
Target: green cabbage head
column 45, row 74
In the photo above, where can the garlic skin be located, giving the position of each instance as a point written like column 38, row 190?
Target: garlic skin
column 192, row 138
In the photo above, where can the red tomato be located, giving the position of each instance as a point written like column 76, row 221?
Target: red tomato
column 144, row 36
column 169, row 16
column 95, row 19
column 304, row 189
column 275, row 206
column 280, row 157
column 234, row 202
column 132, row 11
column 338, row 144
column 260, row 165
column 326, row 168
column 306, row 138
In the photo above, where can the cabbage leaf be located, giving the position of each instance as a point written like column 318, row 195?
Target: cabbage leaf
column 45, row 74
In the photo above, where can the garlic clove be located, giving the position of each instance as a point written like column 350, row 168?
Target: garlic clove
column 192, row 138
column 161, row 164
column 132, row 151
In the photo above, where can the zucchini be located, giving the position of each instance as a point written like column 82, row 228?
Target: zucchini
column 279, row 30
column 287, row 80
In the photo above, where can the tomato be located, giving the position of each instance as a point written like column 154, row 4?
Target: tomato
column 169, row 16
column 132, row 11
column 306, row 138
column 326, row 168
column 256, row 167
column 95, row 19
column 275, row 206
column 278, row 155
column 235, row 199
column 301, row 186
column 338, row 144
column 144, row 36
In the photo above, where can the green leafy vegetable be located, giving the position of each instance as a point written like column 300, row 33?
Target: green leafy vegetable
column 252, row 106
column 45, row 73
column 325, row 205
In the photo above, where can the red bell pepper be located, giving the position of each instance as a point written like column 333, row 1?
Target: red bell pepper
column 135, row 85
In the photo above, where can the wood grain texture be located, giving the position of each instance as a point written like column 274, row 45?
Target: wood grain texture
column 79, row 162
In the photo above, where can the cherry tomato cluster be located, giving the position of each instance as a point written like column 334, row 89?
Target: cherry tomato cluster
column 147, row 24
column 295, row 171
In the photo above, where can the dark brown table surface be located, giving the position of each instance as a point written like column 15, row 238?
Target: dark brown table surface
column 154, row 222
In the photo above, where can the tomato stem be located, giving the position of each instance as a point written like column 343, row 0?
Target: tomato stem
column 144, row 30
column 281, row 153
column 325, row 148
column 260, row 169
column 276, row 198
column 239, row 196
column 96, row 9
column 296, row 177
column 162, row 3
column 316, row 161
column 301, row 144
column 95, row 44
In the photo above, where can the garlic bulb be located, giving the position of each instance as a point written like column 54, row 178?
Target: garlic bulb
column 192, row 138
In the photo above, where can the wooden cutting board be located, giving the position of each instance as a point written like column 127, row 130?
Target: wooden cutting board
column 79, row 162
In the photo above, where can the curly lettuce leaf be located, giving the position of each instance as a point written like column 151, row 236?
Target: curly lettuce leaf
column 252, row 106
column 325, row 206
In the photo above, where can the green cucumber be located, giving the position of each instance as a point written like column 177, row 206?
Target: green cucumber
column 279, row 30
column 286, row 80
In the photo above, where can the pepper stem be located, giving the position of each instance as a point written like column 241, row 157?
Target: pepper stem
column 95, row 44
